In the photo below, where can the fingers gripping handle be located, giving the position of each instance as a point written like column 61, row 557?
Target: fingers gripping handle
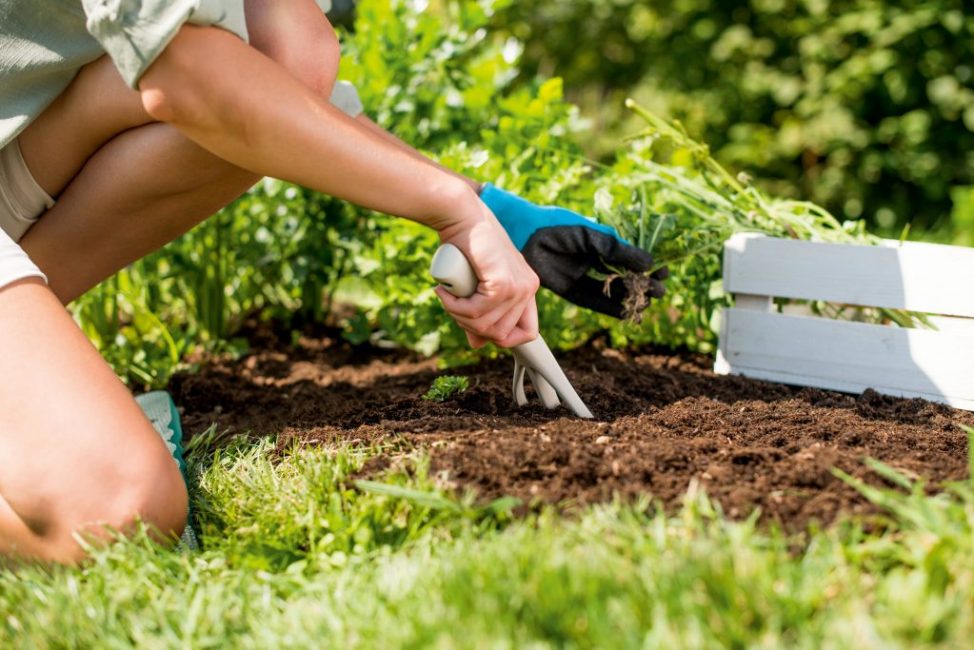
column 452, row 270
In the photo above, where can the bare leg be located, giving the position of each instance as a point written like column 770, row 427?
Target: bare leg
column 123, row 206
column 76, row 452
column 140, row 184
column 75, row 449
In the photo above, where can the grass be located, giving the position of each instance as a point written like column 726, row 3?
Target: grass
column 299, row 556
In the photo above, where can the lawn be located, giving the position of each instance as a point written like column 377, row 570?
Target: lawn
column 361, row 539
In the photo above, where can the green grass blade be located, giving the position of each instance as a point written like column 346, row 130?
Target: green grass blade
column 433, row 500
column 889, row 473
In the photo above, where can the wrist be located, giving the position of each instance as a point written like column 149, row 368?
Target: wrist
column 457, row 208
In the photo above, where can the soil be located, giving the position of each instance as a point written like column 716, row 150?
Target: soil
column 663, row 421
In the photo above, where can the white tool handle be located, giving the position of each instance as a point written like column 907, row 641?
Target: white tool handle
column 452, row 270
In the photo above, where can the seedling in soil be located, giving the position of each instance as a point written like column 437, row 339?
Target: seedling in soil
column 445, row 387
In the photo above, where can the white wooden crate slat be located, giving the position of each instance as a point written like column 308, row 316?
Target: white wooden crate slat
column 850, row 357
column 950, row 324
column 796, row 347
column 925, row 278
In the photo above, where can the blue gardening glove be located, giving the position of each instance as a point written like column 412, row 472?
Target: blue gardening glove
column 563, row 246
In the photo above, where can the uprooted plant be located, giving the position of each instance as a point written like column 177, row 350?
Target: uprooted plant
column 671, row 197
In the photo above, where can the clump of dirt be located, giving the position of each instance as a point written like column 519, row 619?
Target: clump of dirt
column 635, row 287
column 637, row 298
column 662, row 421
column 638, row 289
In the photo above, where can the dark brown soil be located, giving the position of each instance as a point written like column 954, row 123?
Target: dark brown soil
column 663, row 421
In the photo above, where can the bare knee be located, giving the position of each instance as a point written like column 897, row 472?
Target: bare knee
column 143, row 488
column 316, row 67
column 319, row 68
column 311, row 55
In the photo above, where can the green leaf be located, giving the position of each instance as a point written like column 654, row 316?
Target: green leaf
column 445, row 387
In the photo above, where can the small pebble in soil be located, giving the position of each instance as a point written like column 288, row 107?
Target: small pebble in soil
column 603, row 440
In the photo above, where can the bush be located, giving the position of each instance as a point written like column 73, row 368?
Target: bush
column 863, row 106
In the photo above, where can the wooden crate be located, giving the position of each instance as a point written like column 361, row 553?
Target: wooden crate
column 759, row 342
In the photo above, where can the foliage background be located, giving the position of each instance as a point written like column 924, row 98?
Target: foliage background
column 864, row 106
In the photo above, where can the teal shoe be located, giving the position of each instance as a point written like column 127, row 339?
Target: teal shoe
column 161, row 411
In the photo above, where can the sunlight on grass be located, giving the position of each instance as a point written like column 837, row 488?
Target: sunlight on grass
column 297, row 556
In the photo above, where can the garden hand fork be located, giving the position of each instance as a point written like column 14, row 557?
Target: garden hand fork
column 452, row 270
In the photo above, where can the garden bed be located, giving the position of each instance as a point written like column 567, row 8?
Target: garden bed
column 663, row 420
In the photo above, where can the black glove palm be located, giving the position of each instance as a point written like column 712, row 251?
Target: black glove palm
column 564, row 247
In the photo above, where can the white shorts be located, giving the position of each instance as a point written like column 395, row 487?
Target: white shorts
column 22, row 202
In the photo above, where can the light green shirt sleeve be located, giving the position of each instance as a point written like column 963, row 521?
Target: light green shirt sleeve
column 135, row 32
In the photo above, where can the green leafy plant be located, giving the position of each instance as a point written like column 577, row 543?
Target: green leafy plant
column 689, row 203
column 673, row 198
column 445, row 387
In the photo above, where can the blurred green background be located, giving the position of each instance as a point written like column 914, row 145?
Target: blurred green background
column 865, row 107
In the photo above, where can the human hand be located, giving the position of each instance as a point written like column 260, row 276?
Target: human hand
column 563, row 246
column 503, row 309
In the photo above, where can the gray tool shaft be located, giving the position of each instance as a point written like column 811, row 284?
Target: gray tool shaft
column 452, row 270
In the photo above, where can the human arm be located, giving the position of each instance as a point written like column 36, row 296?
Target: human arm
column 564, row 247
column 241, row 106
